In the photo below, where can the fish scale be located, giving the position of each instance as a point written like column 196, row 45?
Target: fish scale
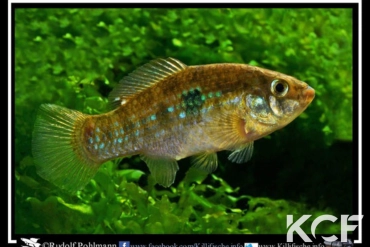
column 100, row 140
column 165, row 111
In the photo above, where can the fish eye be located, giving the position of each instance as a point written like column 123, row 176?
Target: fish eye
column 279, row 87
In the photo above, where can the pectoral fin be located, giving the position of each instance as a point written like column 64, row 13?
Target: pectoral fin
column 162, row 169
column 205, row 161
column 226, row 129
column 242, row 154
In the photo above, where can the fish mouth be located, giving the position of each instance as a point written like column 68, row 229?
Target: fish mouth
column 309, row 94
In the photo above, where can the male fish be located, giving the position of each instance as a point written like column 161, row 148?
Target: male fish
column 166, row 111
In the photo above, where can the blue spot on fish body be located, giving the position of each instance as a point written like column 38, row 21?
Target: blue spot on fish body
column 91, row 140
column 120, row 140
column 235, row 100
column 157, row 134
column 101, row 146
column 97, row 139
column 153, row 117
column 170, row 109
column 182, row 114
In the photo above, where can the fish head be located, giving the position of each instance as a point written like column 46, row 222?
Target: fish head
column 275, row 100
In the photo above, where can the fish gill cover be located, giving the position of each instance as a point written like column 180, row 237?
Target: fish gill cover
column 74, row 57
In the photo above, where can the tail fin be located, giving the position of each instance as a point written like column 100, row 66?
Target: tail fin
column 57, row 149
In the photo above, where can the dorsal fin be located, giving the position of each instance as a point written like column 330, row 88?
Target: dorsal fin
column 142, row 78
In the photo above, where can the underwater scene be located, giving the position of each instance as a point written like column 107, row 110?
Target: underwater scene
column 75, row 58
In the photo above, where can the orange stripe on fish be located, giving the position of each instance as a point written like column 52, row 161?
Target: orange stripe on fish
column 166, row 111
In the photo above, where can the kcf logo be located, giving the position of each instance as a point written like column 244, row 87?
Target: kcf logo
column 296, row 226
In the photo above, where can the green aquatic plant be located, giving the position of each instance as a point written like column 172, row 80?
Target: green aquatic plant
column 74, row 57
column 114, row 203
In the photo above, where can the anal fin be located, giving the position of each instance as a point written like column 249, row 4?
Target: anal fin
column 242, row 154
column 162, row 169
column 205, row 161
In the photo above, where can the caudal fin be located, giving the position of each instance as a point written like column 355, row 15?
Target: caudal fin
column 57, row 150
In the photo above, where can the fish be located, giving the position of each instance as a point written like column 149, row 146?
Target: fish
column 165, row 111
